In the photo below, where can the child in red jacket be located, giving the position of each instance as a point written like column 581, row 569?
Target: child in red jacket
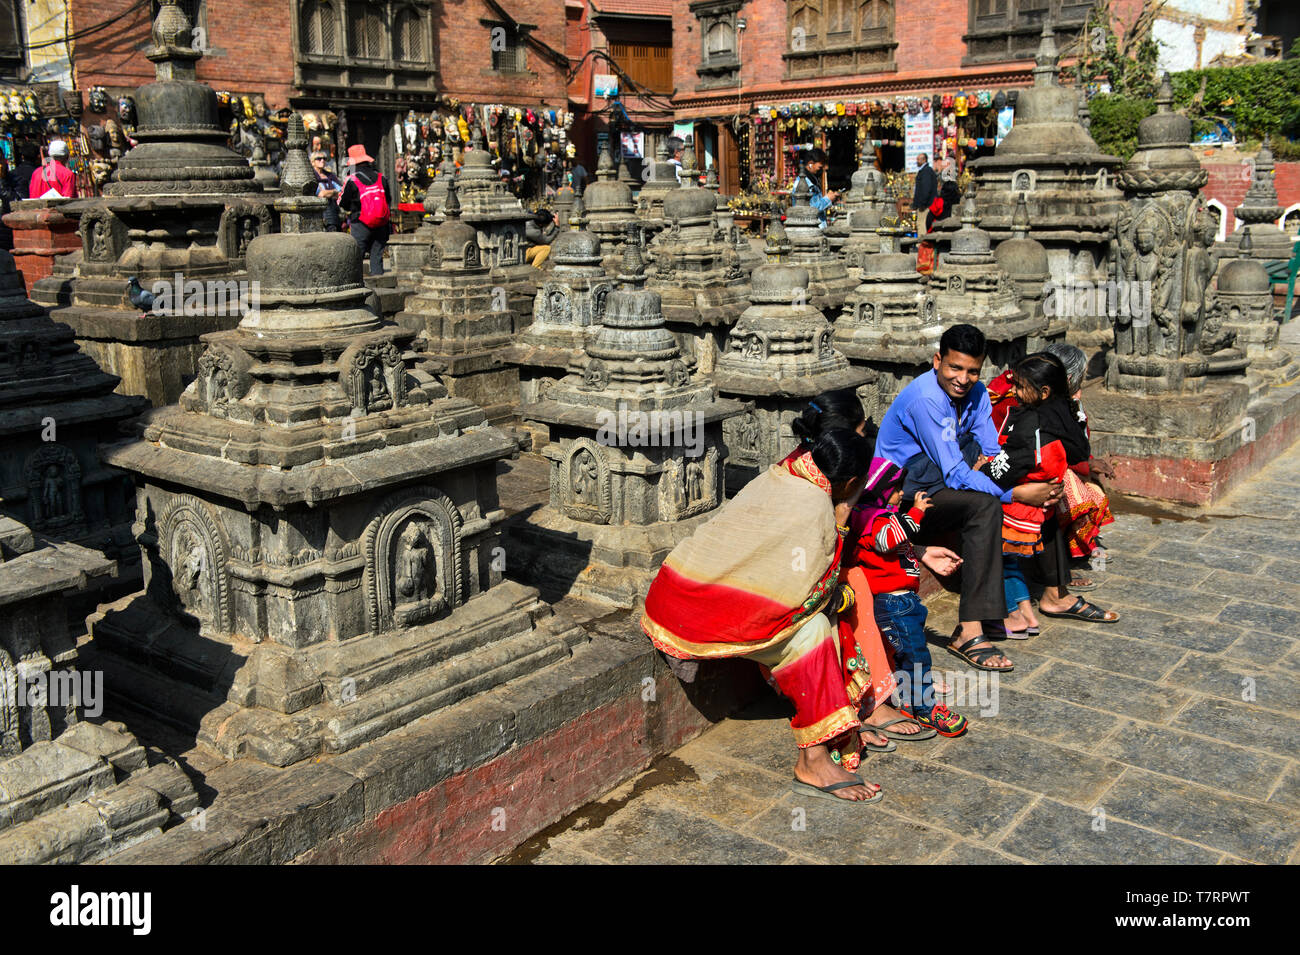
column 882, row 546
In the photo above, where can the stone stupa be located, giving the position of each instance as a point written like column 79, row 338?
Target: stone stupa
column 778, row 355
column 697, row 272
column 662, row 181
column 750, row 258
column 1243, row 308
column 864, row 213
column 610, row 209
column 500, row 218
column 889, row 325
column 569, row 305
column 318, row 520
column 181, row 212
column 970, row 286
column 463, row 317
column 1025, row 262
column 829, row 282
column 409, row 250
column 636, row 453
column 1066, row 178
column 1259, row 213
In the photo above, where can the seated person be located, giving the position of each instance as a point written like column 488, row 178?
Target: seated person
column 731, row 590
column 935, row 429
column 540, row 232
column 1041, row 437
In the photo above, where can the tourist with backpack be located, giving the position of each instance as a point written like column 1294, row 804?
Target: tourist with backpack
column 365, row 201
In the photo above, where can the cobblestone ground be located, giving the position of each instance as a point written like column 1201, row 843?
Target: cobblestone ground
column 1171, row 736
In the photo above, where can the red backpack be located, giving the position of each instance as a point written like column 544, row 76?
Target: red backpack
column 375, row 210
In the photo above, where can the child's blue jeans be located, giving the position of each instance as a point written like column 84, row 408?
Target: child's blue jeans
column 901, row 619
column 1013, row 582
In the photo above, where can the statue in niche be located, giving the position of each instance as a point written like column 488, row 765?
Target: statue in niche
column 414, row 562
column 584, row 477
column 248, row 227
column 673, row 483
column 1198, row 273
column 956, row 284
column 471, row 255
column 1023, row 182
column 747, row 431
column 557, row 306
column 678, row 375
column 10, row 741
column 824, row 347
column 695, row 484
column 754, row 347
column 595, row 377
column 1141, row 261
column 508, row 248
column 598, row 297
column 53, row 492
column 99, row 240
column 190, row 579
column 866, row 313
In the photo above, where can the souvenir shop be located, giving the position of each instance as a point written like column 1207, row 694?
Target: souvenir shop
column 38, row 113
column 966, row 125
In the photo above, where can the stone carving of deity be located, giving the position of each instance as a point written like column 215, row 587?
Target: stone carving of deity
column 695, row 483
column 956, row 284
column 247, row 233
column 190, row 578
column 678, row 374
column 824, row 347
column 1023, row 182
column 673, row 485
column 584, row 476
column 866, row 313
column 53, row 488
column 1198, row 272
column 754, row 347
column 99, row 240
column 747, row 433
column 414, row 561
column 471, row 255
column 1141, row 261
column 508, row 248
column 557, row 307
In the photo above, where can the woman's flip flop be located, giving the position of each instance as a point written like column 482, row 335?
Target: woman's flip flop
column 887, row 747
column 882, row 729
column 828, row 792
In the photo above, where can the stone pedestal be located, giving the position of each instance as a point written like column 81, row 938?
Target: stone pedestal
column 318, row 522
column 70, row 791
column 42, row 233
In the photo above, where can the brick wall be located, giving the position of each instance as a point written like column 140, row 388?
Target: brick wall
column 1229, row 181
column 252, row 43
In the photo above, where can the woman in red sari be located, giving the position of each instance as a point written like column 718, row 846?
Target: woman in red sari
column 761, row 581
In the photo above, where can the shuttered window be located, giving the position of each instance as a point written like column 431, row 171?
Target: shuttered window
column 650, row 65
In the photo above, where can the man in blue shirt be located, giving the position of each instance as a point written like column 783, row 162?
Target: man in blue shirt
column 814, row 164
column 940, row 428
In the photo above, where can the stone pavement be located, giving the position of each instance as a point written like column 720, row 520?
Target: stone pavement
column 1170, row 736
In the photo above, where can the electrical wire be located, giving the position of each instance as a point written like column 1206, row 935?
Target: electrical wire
column 87, row 31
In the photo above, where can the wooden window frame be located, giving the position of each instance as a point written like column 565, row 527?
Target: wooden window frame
column 852, row 52
column 1013, row 35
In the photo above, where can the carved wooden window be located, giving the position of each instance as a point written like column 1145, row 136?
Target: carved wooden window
column 839, row 36
column 408, row 35
column 318, row 28
column 721, row 43
column 366, row 31
column 11, row 36
column 507, row 49
column 1009, row 29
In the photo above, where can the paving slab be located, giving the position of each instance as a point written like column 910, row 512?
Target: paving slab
column 1055, row 833
column 1198, row 759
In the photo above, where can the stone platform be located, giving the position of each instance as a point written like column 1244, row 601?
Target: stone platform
column 1169, row 737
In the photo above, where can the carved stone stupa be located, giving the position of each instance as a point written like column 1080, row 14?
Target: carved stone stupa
column 568, row 306
column 697, row 272
column 864, row 214
column 778, row 355
column 969, row 286
column 662, row 181
column 1259, row 212
column 1170, row 428
column 182, row 211
column 610, row 210
column 750, row 258
column 500, row 219
column 1067, row 180
column 829, row 282
column 318, row 520
column 1025, row 262
column 889, row 324
column 463, row 317
column 636, row 452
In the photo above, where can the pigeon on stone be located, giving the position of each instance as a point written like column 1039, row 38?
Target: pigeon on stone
column 139, row 296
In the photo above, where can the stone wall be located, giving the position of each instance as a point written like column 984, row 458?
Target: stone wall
column 1229, row 181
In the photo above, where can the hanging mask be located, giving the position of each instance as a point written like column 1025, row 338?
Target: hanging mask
column 126, row 110
column 462, row 129
column 959, row 105
column 947, row 101
column 1000, row 100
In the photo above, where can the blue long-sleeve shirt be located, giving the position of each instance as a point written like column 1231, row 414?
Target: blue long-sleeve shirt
column 924, row 419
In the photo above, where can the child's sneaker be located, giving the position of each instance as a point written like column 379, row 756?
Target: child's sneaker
column 943, row 721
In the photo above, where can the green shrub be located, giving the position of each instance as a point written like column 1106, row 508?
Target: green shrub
column 1115, row 121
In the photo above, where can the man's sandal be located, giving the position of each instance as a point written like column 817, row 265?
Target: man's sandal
column 1082, row 610
column 828, row 792
column 976, row 657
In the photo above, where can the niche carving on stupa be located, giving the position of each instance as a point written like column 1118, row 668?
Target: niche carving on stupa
column 413, row 559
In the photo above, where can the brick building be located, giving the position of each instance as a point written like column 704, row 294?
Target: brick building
column 855, row 64
column 369, row 62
